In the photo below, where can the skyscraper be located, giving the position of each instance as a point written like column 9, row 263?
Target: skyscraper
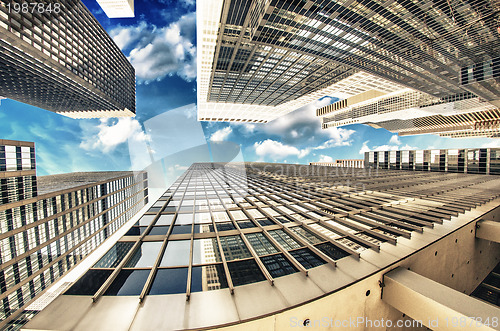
column 262, row 59
column 117, row 8
column 48, row 224
column 261, row 245
column 465, row 160
column 56, row 56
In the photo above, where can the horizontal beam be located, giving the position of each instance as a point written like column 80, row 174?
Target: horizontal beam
column 437, row 306
column 488, row 230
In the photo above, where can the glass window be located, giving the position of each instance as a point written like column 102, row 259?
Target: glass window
column 145, row 256
column 234, row 248
column 265, row 221
column 184, row 219
column 245, row 224
column 208, row 278
column 128, row 282
column 284, row 239
column 136, row 231
column 277, row 265
column 176, row 253
column 307, row 235
column 181, row 229
column 158, row 230
column 307, row 258
column 169, row 281
column 245, row 272
column 202, row 218
column 206, row 251
column 261, row 244
column 332, row 251
column 115, row 255
column 165, row 219
column 226, row 226
column 89, row 283
column 146, row 220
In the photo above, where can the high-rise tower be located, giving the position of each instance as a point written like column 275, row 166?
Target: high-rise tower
column 56, row 56
column 48, row 224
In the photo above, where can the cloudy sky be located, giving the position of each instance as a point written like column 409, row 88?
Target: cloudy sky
column 160, row 43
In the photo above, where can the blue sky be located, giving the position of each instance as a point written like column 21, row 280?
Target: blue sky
column 160, row 43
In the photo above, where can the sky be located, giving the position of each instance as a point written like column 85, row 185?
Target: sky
column 160, row 42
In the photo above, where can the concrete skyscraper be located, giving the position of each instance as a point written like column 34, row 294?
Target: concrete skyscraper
column 465, row 160
column 56, row 56
column 262, row 59
column 276, row 246
column 117, row 8
column 48, row 224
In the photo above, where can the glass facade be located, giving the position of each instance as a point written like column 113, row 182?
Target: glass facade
column 82, row 71
column 472, row 160
column 43, row 236
column 247, row 223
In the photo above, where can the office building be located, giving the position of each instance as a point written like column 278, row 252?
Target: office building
column 58, row 57
column 274, row 246
column 348, row 163
column 262, row 59
column 117, row 8
column 48, row 224
column 467, row 160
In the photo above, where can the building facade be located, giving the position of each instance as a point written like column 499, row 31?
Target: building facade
column 262, row 59
column 354, row 163
column 56, row 56
column 468, row 160
column 48, row 224
column 261, row 246
column 117, row 8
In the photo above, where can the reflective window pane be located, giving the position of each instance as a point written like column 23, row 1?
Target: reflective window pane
column 176, row 253
column 307, row 258
column 278, row 265
column 145, row 255
column 307, row 235
column 184, row 219
column 165, row 219
column 245, row 224
column 332, row 251
column 284, row 239
column 89, row 283
column 128, row 282
column 245, row 272
column 181, row 229
column 136, row 231
column 146, row 220
column 158, row 230
column 208, row 278
column 169, row 281
column 206, row 251
column 226, row 226
column 115, row 255
column 234, row 248
column 261, row 244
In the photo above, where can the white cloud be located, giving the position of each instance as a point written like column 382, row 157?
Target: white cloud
column 339, row 137
column 325, row 158
column 365, row 148
column 110, row 134
column 158, row 52
column 395, row 140
column 276, row 150
column 221, row 134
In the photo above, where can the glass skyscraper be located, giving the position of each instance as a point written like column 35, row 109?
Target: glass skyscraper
column 58, row 57
column 262, row 59
column 234, row 243
column 48, row 224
